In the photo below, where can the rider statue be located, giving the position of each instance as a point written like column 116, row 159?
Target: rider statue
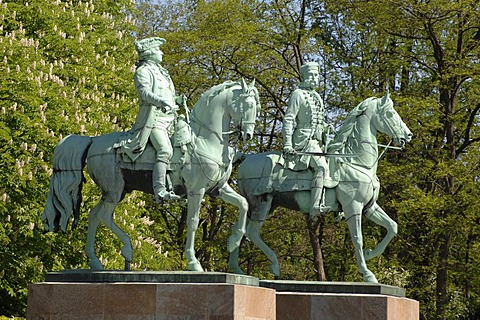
column 156, row 115
column 304, row 131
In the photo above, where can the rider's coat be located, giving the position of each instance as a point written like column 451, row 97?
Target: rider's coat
column 155, row 90
column 303, row 127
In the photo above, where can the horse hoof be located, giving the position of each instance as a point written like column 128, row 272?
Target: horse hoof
column 127, row 253
column 370, row 277
column 95, row 264
column 275, row 269
column 237, row 270
column 195, row 266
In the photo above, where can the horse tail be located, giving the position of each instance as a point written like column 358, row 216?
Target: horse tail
column 65, row 193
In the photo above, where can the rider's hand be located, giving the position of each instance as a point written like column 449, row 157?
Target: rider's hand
column 166, row 108
column 288, row 150
column 181, row 100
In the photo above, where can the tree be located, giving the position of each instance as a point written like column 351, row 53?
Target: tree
column 66, row 68
column 427, row 53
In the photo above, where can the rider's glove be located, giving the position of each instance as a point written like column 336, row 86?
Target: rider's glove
column 288, row 150
column 166, row 108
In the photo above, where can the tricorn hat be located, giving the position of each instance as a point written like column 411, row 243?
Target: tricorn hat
column 148, row 44
column 309, row 65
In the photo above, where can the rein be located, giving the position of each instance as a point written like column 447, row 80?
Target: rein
column 204, row 126
column 222, row 133
column 378, row 158
column 383, row 145
column 387, row 146
column 384, row 150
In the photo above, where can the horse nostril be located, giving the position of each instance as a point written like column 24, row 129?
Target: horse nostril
column 248, row 136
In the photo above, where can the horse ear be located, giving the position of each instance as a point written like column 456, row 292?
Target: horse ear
column 252, row 84
column 385, row 97
column 244, row 86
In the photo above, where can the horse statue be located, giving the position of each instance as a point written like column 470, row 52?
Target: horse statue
column 202, row 163
column 352, row 188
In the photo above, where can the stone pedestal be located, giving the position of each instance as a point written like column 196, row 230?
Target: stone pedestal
column 341, row 301
column 178, row 297
column 85, row 294
column 335, row 306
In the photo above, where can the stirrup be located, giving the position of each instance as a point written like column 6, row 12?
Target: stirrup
column 166, row 196
column 319, row 210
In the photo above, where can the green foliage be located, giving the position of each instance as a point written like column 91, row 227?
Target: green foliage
column 67, row 68
column 286, row 232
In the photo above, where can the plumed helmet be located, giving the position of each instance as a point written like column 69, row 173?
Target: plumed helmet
column 147, row 44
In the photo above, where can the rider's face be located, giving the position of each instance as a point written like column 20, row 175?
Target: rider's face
column 156, row 56
column 311, row 77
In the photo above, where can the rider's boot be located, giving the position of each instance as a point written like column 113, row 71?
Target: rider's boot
column 317, row 200
column 158, row 179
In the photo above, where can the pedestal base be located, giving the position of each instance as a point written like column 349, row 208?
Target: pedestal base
column 341, row 301
column 85, row 294
column 333, row 306
column 140, row 300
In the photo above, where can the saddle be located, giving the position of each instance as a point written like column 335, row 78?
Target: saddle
column 276, row 177
column 181, row 137
column 182, row 140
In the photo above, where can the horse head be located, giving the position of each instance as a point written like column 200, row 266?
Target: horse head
column 389, row 122
column 245, row 109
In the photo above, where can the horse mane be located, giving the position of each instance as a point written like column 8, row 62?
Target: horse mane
column 214, row 91
column 348, row 125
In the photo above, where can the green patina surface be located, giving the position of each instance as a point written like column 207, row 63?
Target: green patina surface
column 150, row 276
column 333, row 287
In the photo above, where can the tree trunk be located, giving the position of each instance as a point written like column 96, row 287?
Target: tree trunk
column 442, row 277
column 313, row 226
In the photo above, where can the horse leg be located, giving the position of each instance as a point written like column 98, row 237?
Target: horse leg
column 354, row 222
column 194, row 202
column 93, row 223
column 229, row 195
column 253, row 233
column 376, row 214
column 262, row 208
column 106, row 216
column 233, row 261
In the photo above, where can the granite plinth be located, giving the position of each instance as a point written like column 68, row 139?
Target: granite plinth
column 142, row 301
column 338, row 306
column 149, row 277
column 87, row 294
column 333, row 287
